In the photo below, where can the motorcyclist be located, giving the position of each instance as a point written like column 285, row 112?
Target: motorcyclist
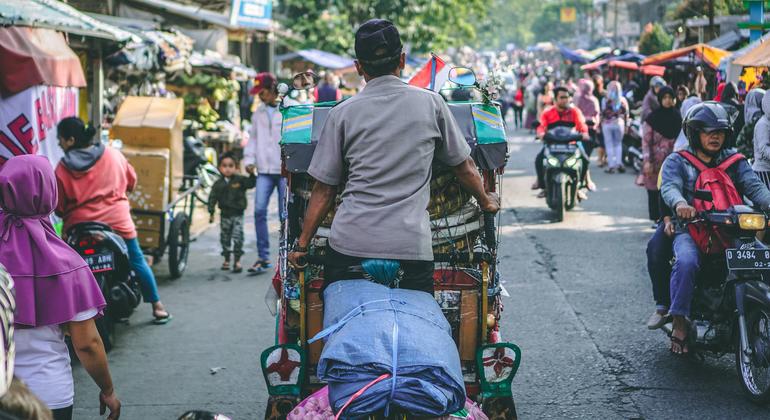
column 378, row 148
column 707, row 126
column 565, row 113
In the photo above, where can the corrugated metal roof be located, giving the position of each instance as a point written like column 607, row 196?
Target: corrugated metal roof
column 191, row 12
column 59, row 16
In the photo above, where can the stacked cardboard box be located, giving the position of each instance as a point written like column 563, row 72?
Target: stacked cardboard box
column 151, row 132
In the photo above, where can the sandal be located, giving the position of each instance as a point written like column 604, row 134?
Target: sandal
column 682, row 343
column 225, row 266
column 237, row 268
column 161, row 319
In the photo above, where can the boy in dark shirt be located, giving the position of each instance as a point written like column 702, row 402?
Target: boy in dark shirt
column 230, row 193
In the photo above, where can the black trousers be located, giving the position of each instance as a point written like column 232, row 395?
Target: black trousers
column 518, row 116
column 418, row 275
column 653, row 204
column 62, row 413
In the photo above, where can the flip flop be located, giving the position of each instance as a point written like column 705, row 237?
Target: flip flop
column 682, row 344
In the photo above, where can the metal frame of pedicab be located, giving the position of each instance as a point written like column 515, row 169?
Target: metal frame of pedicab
column 494, row 395
column 174, row 228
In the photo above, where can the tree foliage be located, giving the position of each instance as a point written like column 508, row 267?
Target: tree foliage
column 547, row 25
column 507, row 21
column 426, row 25
column 687, row 9
column 654, row 41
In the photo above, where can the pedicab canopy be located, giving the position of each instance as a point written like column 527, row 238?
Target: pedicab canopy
column 481, row 124
column 708, row 55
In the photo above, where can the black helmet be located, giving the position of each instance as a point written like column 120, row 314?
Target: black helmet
column 706, row 116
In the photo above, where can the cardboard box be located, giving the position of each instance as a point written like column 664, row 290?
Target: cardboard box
column 148, row 238
column 155, row 123
column 315, row 319
column 152, row 184
column 469, row 324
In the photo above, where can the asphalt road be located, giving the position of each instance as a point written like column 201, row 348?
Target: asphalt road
column 580, row 296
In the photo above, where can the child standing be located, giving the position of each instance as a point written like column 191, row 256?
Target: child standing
column 230, row 193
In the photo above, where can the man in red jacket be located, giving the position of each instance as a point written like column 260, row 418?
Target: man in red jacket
column 563, row 113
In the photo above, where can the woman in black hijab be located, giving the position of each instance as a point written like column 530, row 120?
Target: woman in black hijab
column 733, row 104
column 661, row 129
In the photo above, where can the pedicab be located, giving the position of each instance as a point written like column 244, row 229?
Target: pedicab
column 467, row 283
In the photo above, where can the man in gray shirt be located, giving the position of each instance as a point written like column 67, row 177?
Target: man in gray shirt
column 379, row 147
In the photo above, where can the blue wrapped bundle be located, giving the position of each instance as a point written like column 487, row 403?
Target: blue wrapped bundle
column 369, row 330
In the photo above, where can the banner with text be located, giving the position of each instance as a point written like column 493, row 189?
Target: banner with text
column 28, row 121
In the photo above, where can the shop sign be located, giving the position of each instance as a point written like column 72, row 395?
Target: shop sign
column 254, row 14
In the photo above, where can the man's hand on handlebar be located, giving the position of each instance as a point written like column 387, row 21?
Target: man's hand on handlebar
column 295, row 258
column 491, row 204
column 685, row 211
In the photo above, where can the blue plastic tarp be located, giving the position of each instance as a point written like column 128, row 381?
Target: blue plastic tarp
column 369, row 329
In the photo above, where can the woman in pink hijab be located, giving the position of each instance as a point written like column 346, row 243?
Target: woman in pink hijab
column 56, row 293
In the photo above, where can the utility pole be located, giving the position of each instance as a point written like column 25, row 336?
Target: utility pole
column 616, row 23
column 712, row 35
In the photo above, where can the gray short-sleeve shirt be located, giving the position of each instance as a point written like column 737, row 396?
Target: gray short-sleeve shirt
column 379, row 147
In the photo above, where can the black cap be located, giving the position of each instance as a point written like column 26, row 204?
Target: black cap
column 377, row 42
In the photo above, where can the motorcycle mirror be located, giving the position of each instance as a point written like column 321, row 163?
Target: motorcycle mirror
column 462, row 76
column 305, row 80
column 704, row 195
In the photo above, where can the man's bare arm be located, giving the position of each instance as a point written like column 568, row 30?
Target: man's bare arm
column 471, row 181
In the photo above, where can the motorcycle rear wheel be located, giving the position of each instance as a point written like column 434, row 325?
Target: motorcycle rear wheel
column 106, row 328
column 755, row 375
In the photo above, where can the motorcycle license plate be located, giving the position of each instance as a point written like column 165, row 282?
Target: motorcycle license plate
column 101, row 262
column 748, row 259
column 561, row 148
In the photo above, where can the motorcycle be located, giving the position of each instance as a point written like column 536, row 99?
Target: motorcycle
column 106, row 254
column 731, row 301
column 632, row 146
column 563, row 163
column 199, row 163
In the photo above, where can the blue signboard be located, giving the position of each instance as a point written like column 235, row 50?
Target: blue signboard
column 255, row 14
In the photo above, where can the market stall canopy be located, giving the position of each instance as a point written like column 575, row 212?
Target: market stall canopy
column 36, row 56
column 757, row 57
column 596, row 65
column 627, row 65
column 653, row 70
column 321, row 58
column 53, row 14
column 575, row 56
column 710, row 56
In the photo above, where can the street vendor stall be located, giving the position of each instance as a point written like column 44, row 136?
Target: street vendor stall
column 681, row 63
column 39, row 81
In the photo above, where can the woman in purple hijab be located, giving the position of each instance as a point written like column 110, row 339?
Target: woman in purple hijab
column 56, row 293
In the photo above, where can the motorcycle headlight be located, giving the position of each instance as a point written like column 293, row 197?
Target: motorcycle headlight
column 572, row 161
column 752, row 221
column 553, row 161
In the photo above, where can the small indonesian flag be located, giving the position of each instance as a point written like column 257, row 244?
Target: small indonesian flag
column 433, row 75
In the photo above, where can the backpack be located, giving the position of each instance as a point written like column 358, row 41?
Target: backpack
column 711, row 239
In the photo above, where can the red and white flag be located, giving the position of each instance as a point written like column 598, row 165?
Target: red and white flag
column 433, row 75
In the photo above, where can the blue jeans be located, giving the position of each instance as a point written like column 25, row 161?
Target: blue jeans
column 146, row 278
column 266, row 183
column 683, row 273
column 659, row 253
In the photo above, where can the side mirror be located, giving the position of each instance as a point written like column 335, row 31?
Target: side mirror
column 283, row 88
column 704, row 195
column 462, row 76
column 305, row 80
